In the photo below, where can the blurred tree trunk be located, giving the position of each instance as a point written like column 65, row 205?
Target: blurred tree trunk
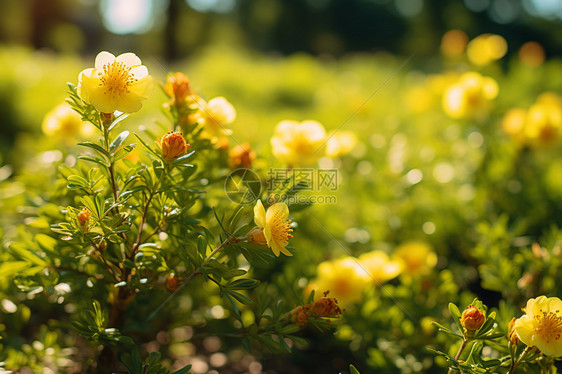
column 170, row 33
column 44, row 14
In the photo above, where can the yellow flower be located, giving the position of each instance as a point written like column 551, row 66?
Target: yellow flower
column 544, row 119
column 541, row 326
column 470, row 97
column 486, row 48
column 115, row 83
column 273, row 227
column 340, row 143
column 345, row 278
column 173, row 145
column 215, row 116
column 379, row 267
column 298, row 144
column 63, row 122
column 417, row 258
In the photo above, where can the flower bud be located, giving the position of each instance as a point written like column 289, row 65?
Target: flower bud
column 257, row 236
column 241, row 156
column 511, row 333
column 472, row 318
column 178, row 87
column 173, row 145
column 84, row 218
column 173, row 282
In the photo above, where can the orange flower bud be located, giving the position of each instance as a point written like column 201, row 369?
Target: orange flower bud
column 173, row 145
column 83, row 218
column 178, row 87
column 241, row 156
column 173, row 282
column 472, row 318
column 299, row 315
column 511, row 333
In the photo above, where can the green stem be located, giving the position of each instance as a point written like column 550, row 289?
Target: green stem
column 458, row 355
column 514, row 364
column 194, row 273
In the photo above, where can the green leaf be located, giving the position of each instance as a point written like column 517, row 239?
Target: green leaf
column 119, row 139
column 123, row 152
column 96, row 147
column 117, row 120
column 76, row 181
column 147, row 147
column 94, row 159
column 10, row 268
column 243, row 284
column 353, row 370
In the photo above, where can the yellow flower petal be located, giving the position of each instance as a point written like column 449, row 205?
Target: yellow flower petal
column 259, row 214
column 279, row 210
column 103, row 58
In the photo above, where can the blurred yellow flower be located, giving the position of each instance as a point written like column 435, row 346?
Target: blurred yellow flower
column 241, row 156
column 298, row 144
column 513, row 123
column 273, row 227
column 541, row 124
column 544, row 119
column 379, row 266
column 541, row 326
column 115, row 83
column 453, row 43
column 417, row 258
column 470, row 97
column 215, row 116
column 340, row 143
column 344, row 278
column 486, row 48
column 64, row 123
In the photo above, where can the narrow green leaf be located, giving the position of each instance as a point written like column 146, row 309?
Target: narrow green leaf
column 119, row 139
column 96, row 147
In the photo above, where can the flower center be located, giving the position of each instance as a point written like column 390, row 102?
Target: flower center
column 280, row 229
column 549, row 325
column 116, row 78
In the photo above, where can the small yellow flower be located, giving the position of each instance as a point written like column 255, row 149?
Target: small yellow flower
column 417, row 258
column 486, row 48
column 273, row 227
column 470, row 97
column 173, row 145
column 64, row 123
column 340, row 143
column 379, row 267
column 345, row 278
column 298, row 144
column 544, row 119
column 115, row 83
column 541, row 326
column 215, row 116
column 471, row 319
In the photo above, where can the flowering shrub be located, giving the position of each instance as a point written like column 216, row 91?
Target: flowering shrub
column 197, row 237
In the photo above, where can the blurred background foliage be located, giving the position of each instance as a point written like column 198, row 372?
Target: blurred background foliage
column 476, row 196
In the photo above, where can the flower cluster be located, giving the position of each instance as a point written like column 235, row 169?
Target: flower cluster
column 540, row 124
column 470, row 97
